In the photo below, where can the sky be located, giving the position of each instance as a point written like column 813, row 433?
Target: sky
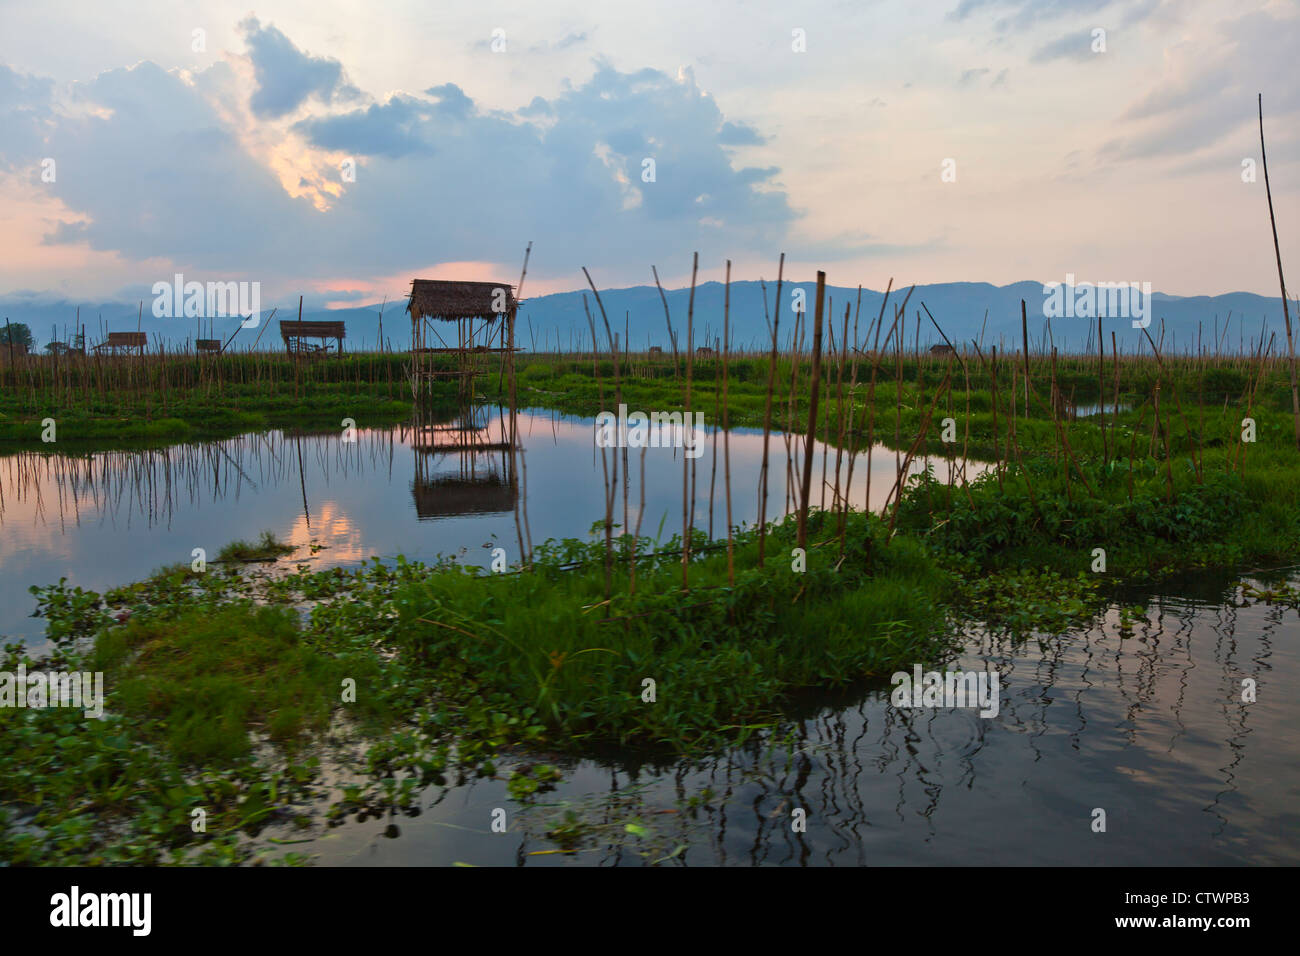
column 338, row 148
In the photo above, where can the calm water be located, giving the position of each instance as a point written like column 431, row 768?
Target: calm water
column 445, row 487
column 1150, row 727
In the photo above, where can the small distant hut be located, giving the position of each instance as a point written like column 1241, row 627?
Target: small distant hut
column 299, row 336
column 704, row 350
column 656, row 350
column 483, row 315
column 942, row 349
column 119, row 343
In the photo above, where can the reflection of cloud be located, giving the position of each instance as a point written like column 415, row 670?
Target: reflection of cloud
column 331, row 526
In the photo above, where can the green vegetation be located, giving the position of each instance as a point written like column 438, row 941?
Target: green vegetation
column 266, row 548
column 220, row 696
column 15, row 333
column 229, row 692
column 120, row 402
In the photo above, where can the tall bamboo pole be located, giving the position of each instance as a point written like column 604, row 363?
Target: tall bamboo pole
column 1277, row 251
column 818, row 319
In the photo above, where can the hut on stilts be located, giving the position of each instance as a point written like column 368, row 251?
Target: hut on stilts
column 483, row 317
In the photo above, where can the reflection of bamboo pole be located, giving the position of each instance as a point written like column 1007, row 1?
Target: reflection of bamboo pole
column 302, row 481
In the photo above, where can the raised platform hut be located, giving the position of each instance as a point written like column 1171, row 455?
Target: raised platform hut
column 123, row 343
column 312, row 337
column 483, row 317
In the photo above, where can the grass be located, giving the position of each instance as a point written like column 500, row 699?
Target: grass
column 203, row 678
column 125, row 402
column 218, row 686
column 266, row 548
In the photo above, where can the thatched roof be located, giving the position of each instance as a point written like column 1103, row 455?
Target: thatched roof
column 449, row 301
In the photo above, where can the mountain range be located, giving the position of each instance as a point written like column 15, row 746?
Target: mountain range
column 966, row 311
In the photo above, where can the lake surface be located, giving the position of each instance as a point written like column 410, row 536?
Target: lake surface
column 1149, row 727
column 423, row 489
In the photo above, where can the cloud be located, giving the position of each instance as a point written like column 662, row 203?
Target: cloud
column 740, row 134
column 396, row 128
column 1073, row 46
column 171, row 164
column 1023, row 14
column 25, row 111
column 154, row 167
column 1207, row 93
column 970, row 76
column 575, row 38
column 287, row 77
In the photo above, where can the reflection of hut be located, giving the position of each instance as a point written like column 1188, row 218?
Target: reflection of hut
column 483, row 315
column 463, row 464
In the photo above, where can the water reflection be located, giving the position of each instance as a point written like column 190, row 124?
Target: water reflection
column 436, row 485
column 1151, row 728
column 463, row 463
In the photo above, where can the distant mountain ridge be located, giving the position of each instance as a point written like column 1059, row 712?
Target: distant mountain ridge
column 560, row 320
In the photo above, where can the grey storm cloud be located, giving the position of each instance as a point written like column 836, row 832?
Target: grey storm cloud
column 287, row 77
column 159, row 171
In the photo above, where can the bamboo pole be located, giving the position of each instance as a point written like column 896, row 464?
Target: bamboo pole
column 818, row 319
column 1277, row 251
column 726, row 433
column 767, row 416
